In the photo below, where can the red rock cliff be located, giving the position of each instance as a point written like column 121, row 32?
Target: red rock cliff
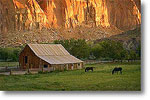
column 70, row 13
column 124, row 14
column 21, row 15
column 30, row 14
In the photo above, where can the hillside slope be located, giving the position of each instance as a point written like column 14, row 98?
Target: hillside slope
column 21, row 21
column 131, row 39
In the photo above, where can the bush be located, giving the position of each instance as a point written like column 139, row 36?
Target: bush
column 106, row 50
column 9, row 54
column 103, row 50
column 79, row 48
column 109, row 49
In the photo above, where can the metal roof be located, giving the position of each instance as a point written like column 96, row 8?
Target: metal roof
column 53, row 53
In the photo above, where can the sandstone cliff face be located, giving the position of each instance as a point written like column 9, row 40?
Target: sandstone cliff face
column 71, row 13
column 6, row 18
column 30, row 14
column 21, row 15
column 36, row 21
column 124, row 14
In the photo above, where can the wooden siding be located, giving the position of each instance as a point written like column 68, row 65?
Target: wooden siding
column 34, row 62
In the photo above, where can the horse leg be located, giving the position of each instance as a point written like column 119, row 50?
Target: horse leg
column 112, row 72
column 120, row 72
column 85, row 70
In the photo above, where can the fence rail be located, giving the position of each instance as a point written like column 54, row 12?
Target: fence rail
column 100, row 61
column 95, row 61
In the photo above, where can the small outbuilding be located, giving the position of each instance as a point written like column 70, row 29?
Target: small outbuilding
column 49, row 56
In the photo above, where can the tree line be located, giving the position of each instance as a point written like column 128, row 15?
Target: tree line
column 103, row 50
column 9, row 54
column 85, row 50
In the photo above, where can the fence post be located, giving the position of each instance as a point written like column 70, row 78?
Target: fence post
column 28, row 70
column 42, row 69
column 6, row 68
column 10, row 72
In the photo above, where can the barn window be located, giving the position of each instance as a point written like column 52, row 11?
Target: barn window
column 26, row 59
column 78, row 64
column 45, row 66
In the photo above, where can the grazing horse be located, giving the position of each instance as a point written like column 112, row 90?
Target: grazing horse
column 116, row 70
column 89, row 68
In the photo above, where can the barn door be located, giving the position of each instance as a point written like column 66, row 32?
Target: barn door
column 26, row 59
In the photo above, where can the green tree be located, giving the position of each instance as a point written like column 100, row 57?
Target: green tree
column 96, row 51
column 138, row 52
column 9, row 54
column 78, row 48
column 133, row 55
column 112, row 49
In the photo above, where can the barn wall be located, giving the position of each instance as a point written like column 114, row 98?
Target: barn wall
column 62, row 67
column 32, row 62
column 81, row 65
column 36, row 62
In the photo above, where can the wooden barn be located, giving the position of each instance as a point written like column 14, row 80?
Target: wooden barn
column 48, row 56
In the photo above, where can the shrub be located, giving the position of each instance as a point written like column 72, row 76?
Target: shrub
column 79, row 48
column 9, row 54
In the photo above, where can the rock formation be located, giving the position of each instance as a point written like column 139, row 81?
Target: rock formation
column 28, row 14
column 124, row 14
column 70, row 13
column 21, row 15
column 108, row 16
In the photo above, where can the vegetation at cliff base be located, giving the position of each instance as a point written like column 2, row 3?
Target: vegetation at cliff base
column 9, row 54
column 103, row 50
column 87, row 50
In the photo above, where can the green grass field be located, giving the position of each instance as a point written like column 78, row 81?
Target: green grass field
column 99, row 80
column 8, row 64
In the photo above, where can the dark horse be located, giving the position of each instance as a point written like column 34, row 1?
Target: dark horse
column 116, row 70
column 89, row 68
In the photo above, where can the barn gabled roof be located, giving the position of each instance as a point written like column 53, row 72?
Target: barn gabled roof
column 53, row 53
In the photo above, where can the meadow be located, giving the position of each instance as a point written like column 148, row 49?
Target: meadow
column 9, row 64
column 100, row 79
